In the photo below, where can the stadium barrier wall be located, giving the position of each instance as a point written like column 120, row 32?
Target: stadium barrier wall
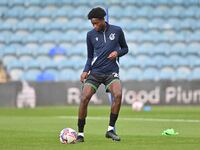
column 32, row 94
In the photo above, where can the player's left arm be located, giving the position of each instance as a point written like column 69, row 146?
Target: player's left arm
column 123, row 45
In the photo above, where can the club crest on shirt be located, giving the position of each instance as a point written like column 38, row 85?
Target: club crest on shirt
column 96, row 38
column 112, row 36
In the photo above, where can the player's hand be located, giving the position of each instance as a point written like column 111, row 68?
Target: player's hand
column 113, row 55
column 84, row 75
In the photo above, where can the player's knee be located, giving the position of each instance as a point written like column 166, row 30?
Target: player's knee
column 117, row 96
column 85, row 98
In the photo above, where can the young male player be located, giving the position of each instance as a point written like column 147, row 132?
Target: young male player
column 105, row 43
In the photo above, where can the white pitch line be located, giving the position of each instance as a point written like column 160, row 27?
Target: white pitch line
column 135, row 119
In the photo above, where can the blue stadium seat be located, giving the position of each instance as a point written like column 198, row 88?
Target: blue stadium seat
column 128, row 61
column 65, row 64
column 193, row 61
column 179, row 48
column 193, row 48
column 160, row 60
column 187, row 23
column 150, row 74
column 143, row 61
column 25, row 24
column 32, row 65
column 176, row 11
column 177, row 61
column 81, row 11
column 69, row 74
column 10, row 50
column 130, row 74
column 8, row 59
column 133, row 48
column 32, row 11
column 77, row 62
column 24, row 51
column 146, row 48
column 195, row 74
column 46, row 76
column 79, row 49
column 162, row 48
column 25, row 58
column 63, row 11
column 49, row 65
column 31, row 75
column 173, row 23
column 130, row 11
column 15, row 65
column 53, row 72
column 157, row 23
column 183, row 73
column 134, row 74
column 15, row 74
column 167, row 74
column 114, row 11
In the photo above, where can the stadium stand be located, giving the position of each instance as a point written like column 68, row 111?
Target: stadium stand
column 163, row 37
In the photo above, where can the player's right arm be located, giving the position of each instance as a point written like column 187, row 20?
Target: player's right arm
column 90, row 53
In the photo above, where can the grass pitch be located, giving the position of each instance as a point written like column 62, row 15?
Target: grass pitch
column 38, row 129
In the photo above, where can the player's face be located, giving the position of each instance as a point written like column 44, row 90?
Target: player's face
column 98, row 24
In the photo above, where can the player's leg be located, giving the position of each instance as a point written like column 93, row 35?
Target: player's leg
column 116, row 91
column 90, row 86
column 110, row 100
column 86, row 95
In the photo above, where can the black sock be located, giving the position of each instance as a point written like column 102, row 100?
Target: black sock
column 113, row 119
column 81, row 124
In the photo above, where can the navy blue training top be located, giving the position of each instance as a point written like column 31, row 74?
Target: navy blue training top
column 100, row 45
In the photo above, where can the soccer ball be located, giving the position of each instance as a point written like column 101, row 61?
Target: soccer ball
column 137, row 105
column 68, row 136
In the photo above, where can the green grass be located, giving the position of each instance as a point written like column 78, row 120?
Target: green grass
column 28, row 129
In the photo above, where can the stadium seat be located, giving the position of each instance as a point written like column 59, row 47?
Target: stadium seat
column 46, row 76
column 177, row 61
column 48, row 65
column 25, row 58
column 114, row 11
column 15, row 65
column 33, row 64
column 193, row 48
column 54, row 72
column 146, row 48
column 193, row 61
column 178, row 48
column 167, row 73
column 15, row 74
column 68, row 74
column 163, row 48
column 31, row 75
column 8, row 59
column 77, row 62
column 134, row 73
column 195, row 74
column 128, row 61
column 150, row 74
column 183, row 73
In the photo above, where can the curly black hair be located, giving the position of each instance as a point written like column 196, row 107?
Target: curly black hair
column 97, row 12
